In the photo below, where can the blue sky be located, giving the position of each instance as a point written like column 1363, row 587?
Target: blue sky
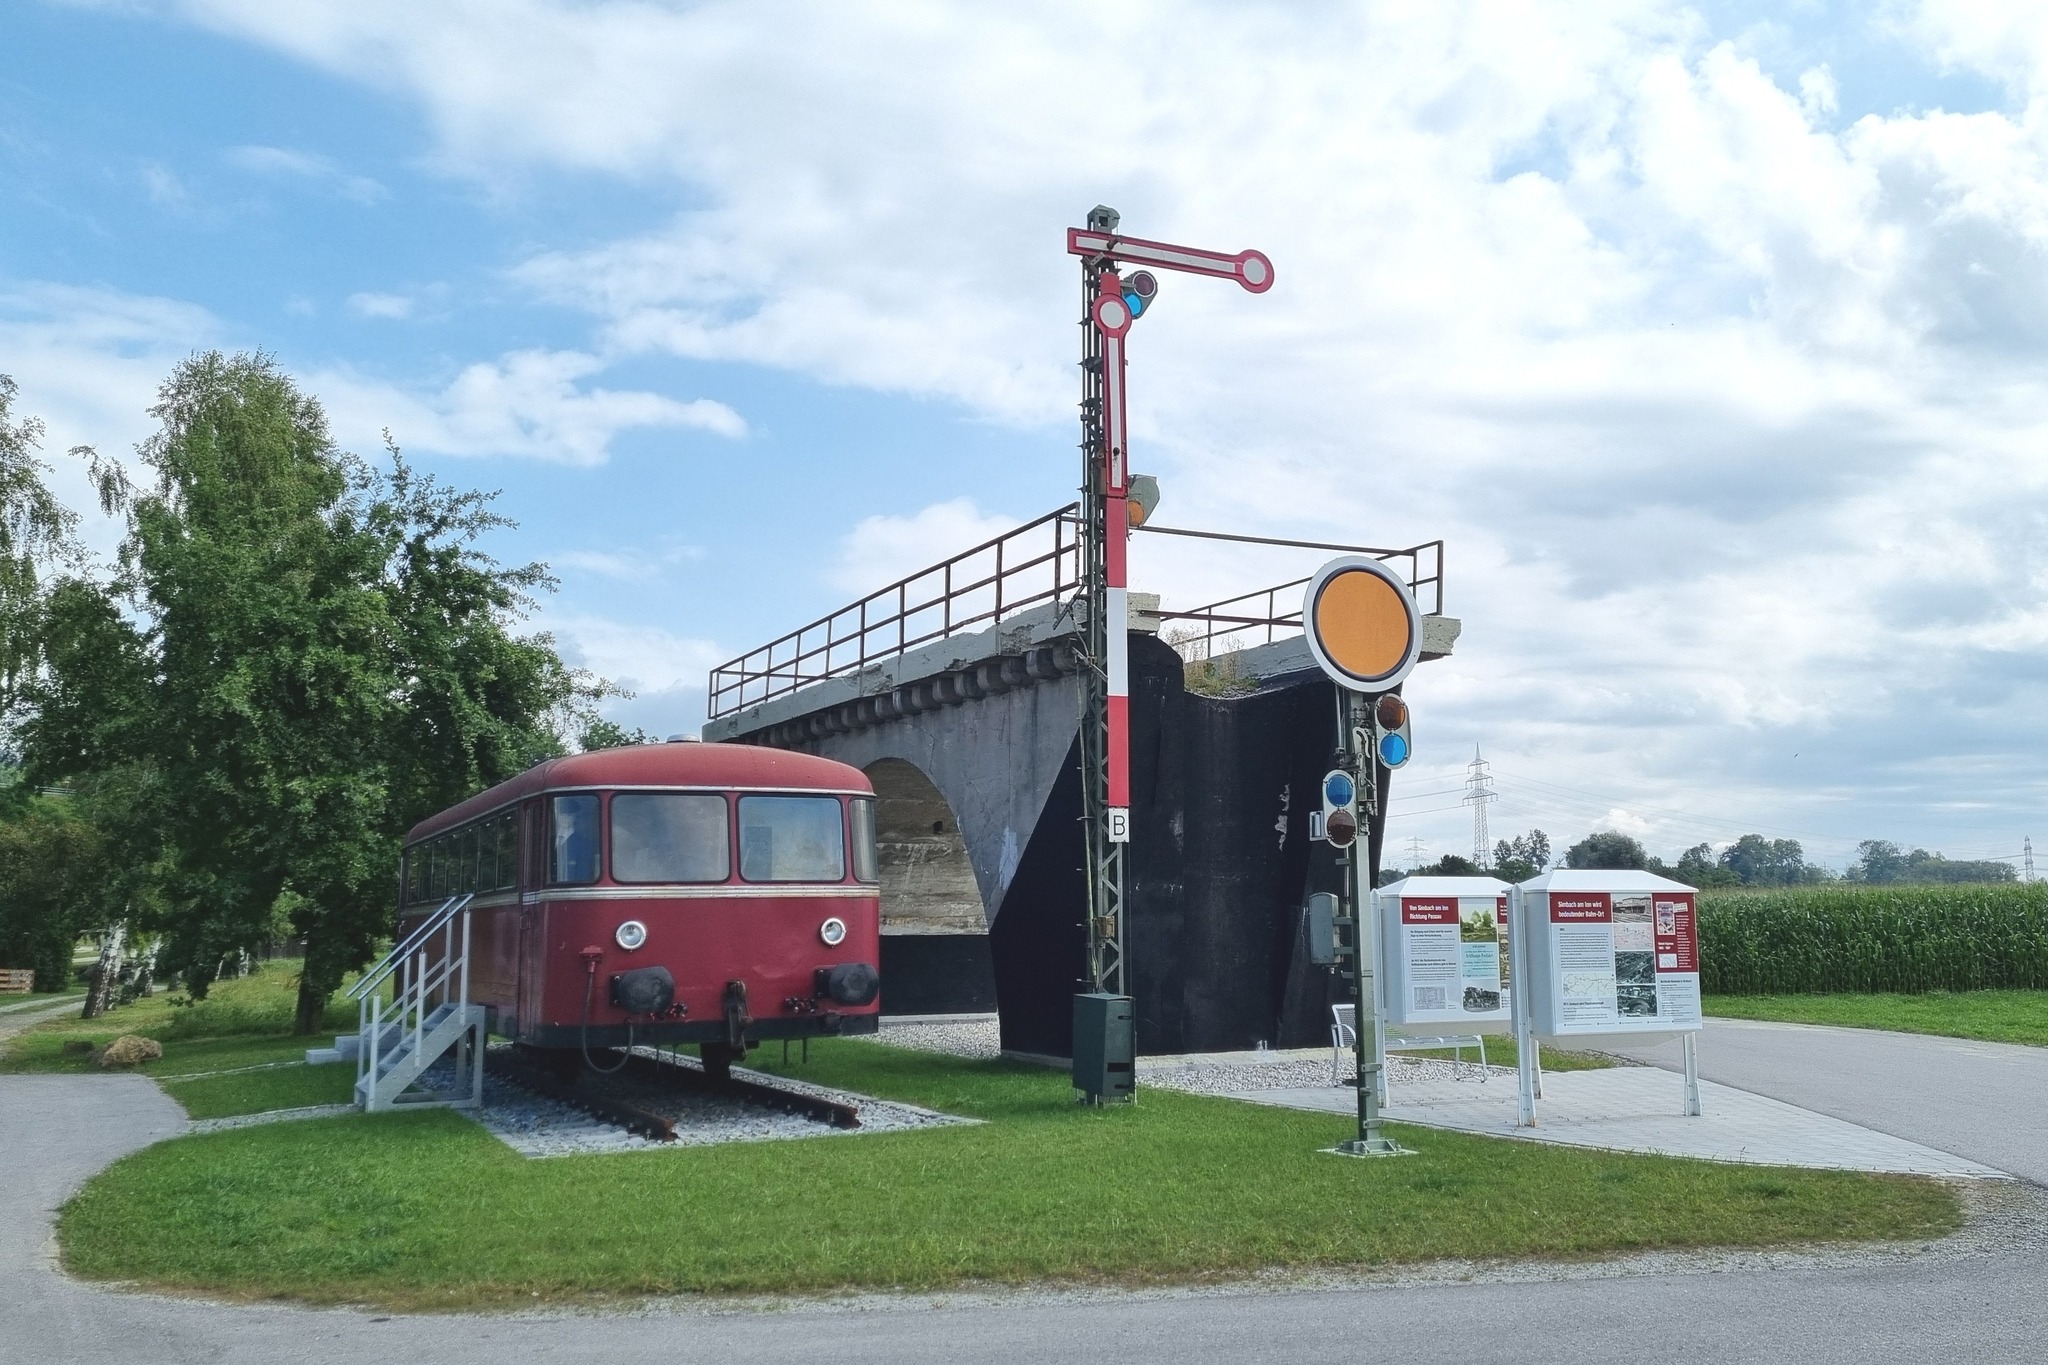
column 1709, row 338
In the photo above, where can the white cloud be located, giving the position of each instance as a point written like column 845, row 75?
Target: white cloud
column 524, row 403
column 369, row 305
column 164, row 187
column 637, row 566
column 285, row 163
column 880, row 550
column 88, row 362
column 634, row 656
column 1733, row 419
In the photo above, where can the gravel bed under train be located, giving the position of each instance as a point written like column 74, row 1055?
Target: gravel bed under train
column 536, row 1126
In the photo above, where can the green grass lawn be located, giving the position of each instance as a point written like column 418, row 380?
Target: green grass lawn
column 1992, row 1016
column 423, row 1211
column 240, row 1025
column 210, row 1077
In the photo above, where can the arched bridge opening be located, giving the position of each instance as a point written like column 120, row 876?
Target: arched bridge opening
column 935, row 940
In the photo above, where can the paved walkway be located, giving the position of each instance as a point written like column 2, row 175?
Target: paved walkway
column 1872, row 1307
column 1641, row 1109
column 1984, row 1101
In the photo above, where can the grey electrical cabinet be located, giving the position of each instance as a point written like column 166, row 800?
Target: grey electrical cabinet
column 1105, row 1047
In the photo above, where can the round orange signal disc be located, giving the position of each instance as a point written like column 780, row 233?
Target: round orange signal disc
column 1362, row 624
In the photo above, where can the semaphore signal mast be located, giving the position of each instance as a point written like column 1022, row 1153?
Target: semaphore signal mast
column 1111, row 302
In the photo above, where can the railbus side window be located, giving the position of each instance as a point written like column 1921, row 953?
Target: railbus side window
column 572, row 840
column 508, row 850
column 792, row 839
column 862, row 810
column 670, row 837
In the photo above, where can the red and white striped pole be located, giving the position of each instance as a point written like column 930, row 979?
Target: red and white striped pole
column 1113, row 319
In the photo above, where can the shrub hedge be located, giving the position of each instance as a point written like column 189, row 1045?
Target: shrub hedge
column 1908, row 939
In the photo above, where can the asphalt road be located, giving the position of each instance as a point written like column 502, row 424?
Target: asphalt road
column 55, row 1131
column 1984, row 1101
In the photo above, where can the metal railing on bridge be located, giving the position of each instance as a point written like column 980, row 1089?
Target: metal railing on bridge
column 1267, row 614
column 1038, row 562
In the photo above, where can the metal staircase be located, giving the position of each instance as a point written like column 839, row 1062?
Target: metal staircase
column 427, row 1017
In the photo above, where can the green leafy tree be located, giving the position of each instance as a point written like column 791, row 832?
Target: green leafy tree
column 600, row 733
column 1522, row 857
column 1607, row 849
column 313, row 657
column 35, row 529
column 1757, row 861
column 1698, row 866
column 1881, row 861
column 50, row 892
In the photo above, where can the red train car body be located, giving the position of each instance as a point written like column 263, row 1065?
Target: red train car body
column 715, row 894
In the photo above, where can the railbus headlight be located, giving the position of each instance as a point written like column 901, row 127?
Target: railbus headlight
column 833, row 931
column 631, row 934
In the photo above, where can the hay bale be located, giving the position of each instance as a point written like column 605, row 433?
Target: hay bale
column 130, row 1050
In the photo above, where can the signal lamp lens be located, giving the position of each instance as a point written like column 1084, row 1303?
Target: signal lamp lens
column 1339, row 790
column 1393, row 750
column 1341, row 829
column 631, row 935
column 1136, row 303
column 833, row 931
column 1143, row 283
column 1391, row 712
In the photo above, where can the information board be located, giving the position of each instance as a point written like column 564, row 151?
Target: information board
column 1622, row 957
column 1446, row 954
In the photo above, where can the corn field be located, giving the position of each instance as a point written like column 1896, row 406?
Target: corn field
column 1908, row 939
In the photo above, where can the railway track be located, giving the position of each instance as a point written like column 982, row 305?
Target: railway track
column 599, row 1106
column 588, row 1093
column 681, row 1075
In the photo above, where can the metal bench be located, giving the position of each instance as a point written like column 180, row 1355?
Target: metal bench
column 1344, row 1037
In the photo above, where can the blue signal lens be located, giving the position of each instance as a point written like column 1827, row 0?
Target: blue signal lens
column 1339, row 790
column 1393, row 750
column 1135, row 304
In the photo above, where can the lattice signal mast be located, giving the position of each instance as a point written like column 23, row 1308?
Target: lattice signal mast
column 1479, row 793
column 1111, row 302
column 2027, row 852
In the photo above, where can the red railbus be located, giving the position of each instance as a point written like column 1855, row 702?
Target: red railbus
column 716, row 894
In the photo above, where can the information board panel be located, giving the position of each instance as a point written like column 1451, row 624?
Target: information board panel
column 1445, row 950
column 1611, row 952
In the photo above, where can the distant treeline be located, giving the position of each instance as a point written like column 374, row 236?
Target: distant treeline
column 1905, row 938
column 1751, row 861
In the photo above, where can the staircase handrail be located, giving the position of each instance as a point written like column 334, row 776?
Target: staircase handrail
column 392, row 960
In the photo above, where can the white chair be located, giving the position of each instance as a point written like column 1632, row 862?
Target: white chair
column 1344, row 1038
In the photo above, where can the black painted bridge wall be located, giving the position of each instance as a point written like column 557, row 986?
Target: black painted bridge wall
column 1218, row 870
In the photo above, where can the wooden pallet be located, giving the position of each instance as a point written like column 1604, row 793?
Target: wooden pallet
column 17, row 980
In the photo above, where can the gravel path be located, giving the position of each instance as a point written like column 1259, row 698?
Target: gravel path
column 1236, row 1071
column 1218, row 1078
column 979, row 1038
